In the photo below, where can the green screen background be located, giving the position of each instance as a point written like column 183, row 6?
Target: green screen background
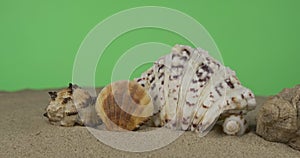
column 39, row 39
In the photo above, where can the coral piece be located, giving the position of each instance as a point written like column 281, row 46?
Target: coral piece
column 124, row 105
column 190, row 90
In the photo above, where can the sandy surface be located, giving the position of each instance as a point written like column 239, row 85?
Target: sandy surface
column 25, row 132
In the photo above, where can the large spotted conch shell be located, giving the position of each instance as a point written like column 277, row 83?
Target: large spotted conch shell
column 191, row 90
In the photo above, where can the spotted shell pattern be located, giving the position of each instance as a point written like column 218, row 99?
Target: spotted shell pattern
column 70, row 106
column 190, row 90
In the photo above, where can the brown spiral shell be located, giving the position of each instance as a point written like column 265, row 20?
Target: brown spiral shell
column 124, row 105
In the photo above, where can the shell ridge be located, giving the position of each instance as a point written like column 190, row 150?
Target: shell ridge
column 188, row 67
column 201, row 110
column 186, row 89
column 180, row 58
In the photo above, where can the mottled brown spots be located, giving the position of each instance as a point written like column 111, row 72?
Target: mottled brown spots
column 187, row 52
column 194, row 90
column 53, row 95
column 153, row 86
column 70, row 92
column 204, row 106
column 221, row 85
column 227, row 102
column 245, row 122
column 136, row 93
column 75, row 86
column 229, row 83
column 66, row 100
column 152, row 79
column 207, row 69
column 190, row 104
column 242, row 95
column 175, row 77
column 184, row 58
column 70, row 86
column 167, row 120
column 194, row 81
column 185, row 121
column 161, row 75
column 217, row 90
column 71, row 113
column 199, row 74
column 161, row 67
column 205, row 79
column 233, row 99
column 155, row 98
column 175, row 55
column 138, row 80
column 46, row 115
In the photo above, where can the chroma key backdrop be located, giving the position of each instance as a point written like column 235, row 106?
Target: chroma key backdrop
column 40, row 39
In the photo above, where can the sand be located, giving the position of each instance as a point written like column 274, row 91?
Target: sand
column 25, row 132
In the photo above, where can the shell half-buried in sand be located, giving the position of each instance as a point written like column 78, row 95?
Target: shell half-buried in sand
column 70, row 106
column 124, row 105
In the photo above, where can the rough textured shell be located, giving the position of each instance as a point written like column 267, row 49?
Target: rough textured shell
column 124, row 105
column 279, row 118
column 190, row 90
column 70, row 106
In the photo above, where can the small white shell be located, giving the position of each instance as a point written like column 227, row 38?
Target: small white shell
column 235, row 125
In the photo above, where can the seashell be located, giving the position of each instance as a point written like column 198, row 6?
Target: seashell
column 124, row 105
column 70, row 106
column 235, row 125
column 278, row 120
column 190, row 90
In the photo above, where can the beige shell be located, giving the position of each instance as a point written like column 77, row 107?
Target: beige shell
column 124, row 105
column 278, row 119
column 70, row 106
